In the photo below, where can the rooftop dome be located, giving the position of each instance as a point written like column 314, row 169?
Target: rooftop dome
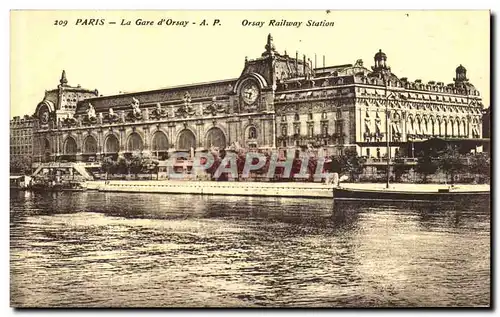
column 461, row 69
column 380, row 55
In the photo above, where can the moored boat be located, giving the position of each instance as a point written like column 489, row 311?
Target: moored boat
column 229, row 188
column 58, row 186
column 415, row 192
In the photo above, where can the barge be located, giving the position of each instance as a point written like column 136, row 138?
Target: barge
column 414, row 192
column 272, row 189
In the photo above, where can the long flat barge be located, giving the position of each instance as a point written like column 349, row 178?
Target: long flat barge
column 272, row 189
column 415, row 192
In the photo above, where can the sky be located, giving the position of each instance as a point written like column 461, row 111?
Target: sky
column 425, row 45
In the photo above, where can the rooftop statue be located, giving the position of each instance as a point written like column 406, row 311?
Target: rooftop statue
column 186, row 109
column 91, row 112
column 158, row 112
column 112, row 116
column 136, row 107
column 136, row 110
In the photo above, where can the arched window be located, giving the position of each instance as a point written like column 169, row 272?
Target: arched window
column 296, row 117
column 310, row 116
column 134, row 142
column 90, row 145
column 70, row 146
column 160, row 142
column 111, row 145
column 417, row 126
column 46, row 145
column 410, row 126
column 378, row 152
column 449, row 128
column 462, row 128
column 186, row 140
column 215, row 137
column 443, row 127
column 252, row 133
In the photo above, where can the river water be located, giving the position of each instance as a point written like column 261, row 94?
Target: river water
column 92, row 249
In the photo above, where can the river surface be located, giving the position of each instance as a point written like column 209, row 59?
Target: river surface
column 93, row 249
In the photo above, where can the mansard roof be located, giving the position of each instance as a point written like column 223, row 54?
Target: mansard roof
column 164, row 95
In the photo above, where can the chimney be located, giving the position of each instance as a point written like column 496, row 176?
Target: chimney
column 304, row 64
column 296, row 63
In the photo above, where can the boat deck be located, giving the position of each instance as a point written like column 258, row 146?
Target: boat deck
column 416, row 188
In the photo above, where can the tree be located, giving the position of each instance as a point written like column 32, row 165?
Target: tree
column 20, row 164
column 347, row 163
column 136, row 164
column 123, row 165
column 480, row 164
column 399, row 168
column 426, row 165
column 351, row 163
column 450, row 162
column 108, row 166
column 149, row 164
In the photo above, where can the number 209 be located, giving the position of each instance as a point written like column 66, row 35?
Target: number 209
column 61, row 22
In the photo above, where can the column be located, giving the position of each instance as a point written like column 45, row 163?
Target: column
column 147, row 138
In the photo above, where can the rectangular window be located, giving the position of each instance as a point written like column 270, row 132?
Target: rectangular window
column 311, row 130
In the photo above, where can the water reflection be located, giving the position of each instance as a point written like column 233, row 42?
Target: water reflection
column 106, row 249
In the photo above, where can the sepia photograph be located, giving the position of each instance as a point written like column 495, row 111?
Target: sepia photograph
column 241, row 159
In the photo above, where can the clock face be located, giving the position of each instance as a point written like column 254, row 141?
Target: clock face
column 249, row 93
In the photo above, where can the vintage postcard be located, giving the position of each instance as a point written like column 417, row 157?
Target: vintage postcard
column 250, row 159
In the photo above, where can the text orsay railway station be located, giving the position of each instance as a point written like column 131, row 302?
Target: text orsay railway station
column 278, row 102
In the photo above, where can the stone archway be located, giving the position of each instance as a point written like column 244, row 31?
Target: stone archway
column 69, row 149
column 135, row 143
column 215, row 137
column 111, row 145
column 90, row 145
column 186, row 140
column 159, row 144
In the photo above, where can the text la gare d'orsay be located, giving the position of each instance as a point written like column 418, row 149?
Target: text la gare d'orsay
column 90, row 22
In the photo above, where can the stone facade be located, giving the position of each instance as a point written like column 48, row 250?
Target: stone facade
column 21, row 137
column 278, row 101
